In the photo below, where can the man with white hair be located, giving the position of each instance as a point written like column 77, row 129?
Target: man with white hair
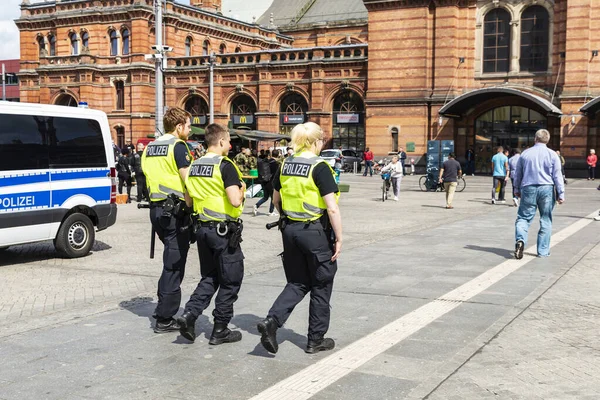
column 537, row 180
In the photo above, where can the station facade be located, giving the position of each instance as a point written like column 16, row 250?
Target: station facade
column 382, row 74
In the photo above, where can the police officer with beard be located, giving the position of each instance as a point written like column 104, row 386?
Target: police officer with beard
column 306, row 195
column 165, row 163
column 216, row 187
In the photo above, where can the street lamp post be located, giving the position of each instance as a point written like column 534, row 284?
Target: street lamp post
column 211, row 91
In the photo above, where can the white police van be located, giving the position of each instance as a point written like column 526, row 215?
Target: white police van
column 57, row 176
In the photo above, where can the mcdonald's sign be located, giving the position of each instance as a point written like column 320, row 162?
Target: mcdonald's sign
column 198, row 119
column 243, row 119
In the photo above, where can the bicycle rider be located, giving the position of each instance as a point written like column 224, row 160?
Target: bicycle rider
column 449, row 174
column 395, row 168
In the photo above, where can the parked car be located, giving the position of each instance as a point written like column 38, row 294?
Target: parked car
column 345, row 158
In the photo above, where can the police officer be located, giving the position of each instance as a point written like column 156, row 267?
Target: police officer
column 165, row 162
column 216, row 187
column 306, row 196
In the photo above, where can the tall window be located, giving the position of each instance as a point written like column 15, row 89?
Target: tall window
column 52, row 42
column 534, row 39
column 496, row 41
column 188, row 46
column 223, row 48
column 85, row 41
column 394, row 139
column 114, row 43
column 120, row 89
column 42, row 46
column 125, row 37
column 120, row 136
column 205, row 48
column 74, row 44
column 238, row 49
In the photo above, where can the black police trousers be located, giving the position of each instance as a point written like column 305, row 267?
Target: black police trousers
column 308, row 268
column 222, row 270
column 176, row 246
column 142, row 189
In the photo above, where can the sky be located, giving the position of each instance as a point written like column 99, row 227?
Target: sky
column 9, row 34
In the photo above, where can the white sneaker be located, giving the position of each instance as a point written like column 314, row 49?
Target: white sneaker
column 472, row 174
column 493, row 201
column 503, row 201
column 274, row 214
column 255, row 211
column 395, row 198
column 516, row 202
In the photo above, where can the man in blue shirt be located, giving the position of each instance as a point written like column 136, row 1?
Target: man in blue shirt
column 500, row 174
column 537, row 179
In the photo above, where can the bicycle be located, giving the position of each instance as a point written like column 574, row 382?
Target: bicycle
column 385, row 187
column 429, row 183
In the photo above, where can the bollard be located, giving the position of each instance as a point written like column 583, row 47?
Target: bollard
column 355, row 168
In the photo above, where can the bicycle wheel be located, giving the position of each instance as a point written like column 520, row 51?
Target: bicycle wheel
column 383, row 191
column 462, row 184
column 422, row 183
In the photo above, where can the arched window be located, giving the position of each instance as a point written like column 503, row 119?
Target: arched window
column 120, row 92
column 223, row 48
column 394, row 133
column 125, row 38
column 496, row 41
column 238, row 49
column 535, row 23
column 42, row 46
column 348, row 121
column 52, row 43
column 85, row 41
column 114, row 43
column 66, row 100
column 188, row 46
column 205, row 48
column 74, row 44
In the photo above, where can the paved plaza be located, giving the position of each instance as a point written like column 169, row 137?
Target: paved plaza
column 428, row 303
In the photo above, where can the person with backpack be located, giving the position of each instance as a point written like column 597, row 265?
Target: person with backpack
column 124, row 173
column 140, row 178
column 266, row 170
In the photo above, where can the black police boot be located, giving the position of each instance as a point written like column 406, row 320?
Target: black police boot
column 166, row 325
column 268, row 330
column 187, row 324
column 315, row 346
column 222, row 334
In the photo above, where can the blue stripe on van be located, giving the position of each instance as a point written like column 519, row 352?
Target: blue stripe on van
column 101, row 193
column 61, row 176
column 23, row 180
column 25, row 200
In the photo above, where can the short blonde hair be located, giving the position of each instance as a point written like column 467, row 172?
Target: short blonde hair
column 592, row 151
column 305, row 135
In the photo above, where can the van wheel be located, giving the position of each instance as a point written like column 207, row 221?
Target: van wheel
column 3, row 248
column 75, row 236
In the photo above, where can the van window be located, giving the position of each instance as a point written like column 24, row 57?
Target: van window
column 37, row 142
column 22, row 143
column 77, row 142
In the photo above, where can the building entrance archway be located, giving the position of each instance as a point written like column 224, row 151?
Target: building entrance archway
column 348, row 121
column 242, row 111
column 292, row 111
column 197, row 106
column 66, row 100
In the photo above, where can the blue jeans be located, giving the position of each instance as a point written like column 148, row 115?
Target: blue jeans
column 536, row 197
column 368, row 167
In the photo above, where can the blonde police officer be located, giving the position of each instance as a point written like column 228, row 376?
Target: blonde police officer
column 305, row 193
column 165, row 163
column 217, row 190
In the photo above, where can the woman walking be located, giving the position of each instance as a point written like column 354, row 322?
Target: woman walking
column 592, row 159
column 395, row 168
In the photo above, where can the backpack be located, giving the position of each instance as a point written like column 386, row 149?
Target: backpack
column 123, row 165
column 264, row 170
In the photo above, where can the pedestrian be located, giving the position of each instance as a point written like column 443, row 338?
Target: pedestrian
column 166, row 161
column 140, row 178
column 592, row 159
column 241, row 161
column 562, row 166
column 368, row 158
column 267, row 167
column 125, row 172
column 130, row 146
column 252, row 156
column 261, row 154
column 396, row 172
column 215, row 184
column 537, row 178
column 307, row 197
column 449, row 174
column 500, row 172
column 512, row 166
column 289, row 151
column 470, row 156
column 402, row 157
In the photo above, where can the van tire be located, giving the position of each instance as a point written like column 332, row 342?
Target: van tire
column 3, row 248
column 75, row 237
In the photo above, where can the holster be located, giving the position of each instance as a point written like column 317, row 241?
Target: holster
column 328, row 230
column 234, row 233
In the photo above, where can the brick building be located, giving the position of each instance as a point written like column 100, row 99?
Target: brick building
column 11, row 69
column 371, row 72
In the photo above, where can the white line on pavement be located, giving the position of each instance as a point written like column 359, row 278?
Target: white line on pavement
column 318, row 376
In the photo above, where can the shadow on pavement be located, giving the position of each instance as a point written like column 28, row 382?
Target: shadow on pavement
column 41, row 251
column 501, row 252
column 247, row 322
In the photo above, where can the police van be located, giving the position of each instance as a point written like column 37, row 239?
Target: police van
column 57, row 176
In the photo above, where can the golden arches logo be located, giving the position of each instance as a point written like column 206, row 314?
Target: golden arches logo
column 243, row 119
column 196, row 120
